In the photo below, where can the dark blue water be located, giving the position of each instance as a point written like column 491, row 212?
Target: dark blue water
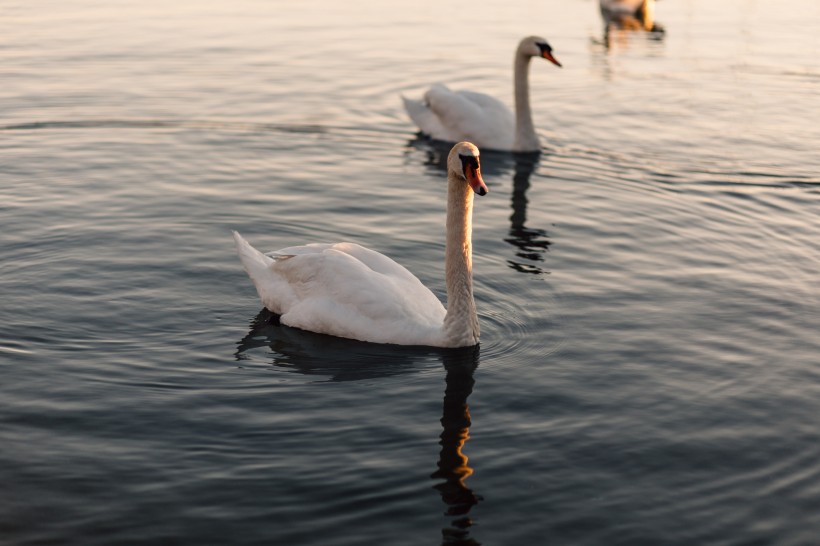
column 647, row 286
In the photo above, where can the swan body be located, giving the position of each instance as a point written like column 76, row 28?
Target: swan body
column 347, row 290
column 630, row 14
column 451, row 116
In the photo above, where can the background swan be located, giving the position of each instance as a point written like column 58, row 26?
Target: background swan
column 347, row 290
column 466, row 115
column 630, row 14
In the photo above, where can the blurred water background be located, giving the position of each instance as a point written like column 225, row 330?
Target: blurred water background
column 647, row 286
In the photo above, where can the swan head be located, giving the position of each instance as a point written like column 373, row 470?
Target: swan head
column 535, row 46
column 464, row 163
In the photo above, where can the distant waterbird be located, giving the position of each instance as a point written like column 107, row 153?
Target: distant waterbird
column 630, row 14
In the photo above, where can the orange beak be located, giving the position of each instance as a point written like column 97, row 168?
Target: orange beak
column 475, row 180
column 548, row 56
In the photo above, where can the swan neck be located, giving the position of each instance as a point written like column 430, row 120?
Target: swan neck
column 525, row 138
column 461, row 322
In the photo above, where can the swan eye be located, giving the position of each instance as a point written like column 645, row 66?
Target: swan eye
column 546, row 52
column 468, row 161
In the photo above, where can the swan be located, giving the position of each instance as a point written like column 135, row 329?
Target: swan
column 349, row 291
column 466, row 115
column 630, row 14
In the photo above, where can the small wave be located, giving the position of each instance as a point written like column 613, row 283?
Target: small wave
column 7, row 347
column 512, row 333
column 752, row 178
column 162, row 124
column 780, row 71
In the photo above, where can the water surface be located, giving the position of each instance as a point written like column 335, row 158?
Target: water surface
column 646, row 285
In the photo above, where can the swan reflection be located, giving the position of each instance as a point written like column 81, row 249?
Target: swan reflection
column 453, row 469
column 345, row 360
column 326, row 357
column 531, row 243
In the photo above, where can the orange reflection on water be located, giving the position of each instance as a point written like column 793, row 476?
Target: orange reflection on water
column 453, row 467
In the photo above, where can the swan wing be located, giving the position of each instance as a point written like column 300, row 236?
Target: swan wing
column 476, row 117
column 349, row 291
column 487, row 103
column 376, row 261
column 425, row 119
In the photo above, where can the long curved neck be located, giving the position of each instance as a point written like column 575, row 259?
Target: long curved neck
column 525, row 138
column 461, row 322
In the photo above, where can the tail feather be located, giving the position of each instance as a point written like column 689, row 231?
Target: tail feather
column 257, row 265
column 424, row 118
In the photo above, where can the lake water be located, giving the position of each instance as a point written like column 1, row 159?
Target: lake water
column 649, row 368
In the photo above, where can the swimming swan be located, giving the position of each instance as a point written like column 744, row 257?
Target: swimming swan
column 466, row 115
column 349, row 291
column 630, row 14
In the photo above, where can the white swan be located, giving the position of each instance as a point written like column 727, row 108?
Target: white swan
column 349, row 291
column 466, row 115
